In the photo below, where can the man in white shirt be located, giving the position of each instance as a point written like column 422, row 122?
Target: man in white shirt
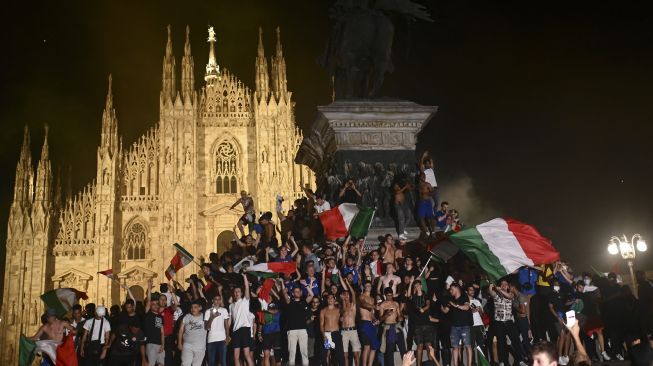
column 100, row 330
column 427, row 166
column 216, row 321
column 477, row 309
column 321, row 205
column 241, row 336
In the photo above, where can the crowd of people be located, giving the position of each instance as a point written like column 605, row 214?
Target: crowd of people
column 351, row 302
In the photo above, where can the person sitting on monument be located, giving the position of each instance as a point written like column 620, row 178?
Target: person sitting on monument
column 248, row 206
column 247, row 242
column 349, row 193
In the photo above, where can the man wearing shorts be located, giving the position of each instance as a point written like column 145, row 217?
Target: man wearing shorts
column 460, row 317
column 424, row 331
column 241, row 336
column 269, row 335
column 248, row 206
column 369, row 338
column 154, row 337
column 348, row 323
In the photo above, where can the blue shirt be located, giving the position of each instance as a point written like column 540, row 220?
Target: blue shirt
column 441, row 224
column 315, row 287
column 272, row 323
column 527, row 275
column 347, row 270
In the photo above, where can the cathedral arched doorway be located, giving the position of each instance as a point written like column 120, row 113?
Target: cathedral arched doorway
column 223, row 241
column 138, row 292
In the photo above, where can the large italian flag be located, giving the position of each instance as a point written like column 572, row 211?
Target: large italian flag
column 271, row 269
column 62, row 300
column 346, row 219
column 181, row 258
column 502, row 245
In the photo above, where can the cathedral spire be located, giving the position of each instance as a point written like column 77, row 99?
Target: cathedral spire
column 168, row 88
column 212, row 68
column 23, row 187
column 279, row 69
column 109, row 133
column 187, row 71
column 262, row 77
column 44, row 173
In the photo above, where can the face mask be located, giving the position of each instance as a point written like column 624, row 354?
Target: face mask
column 587, row 281
column 556, row 288
column 101, row 311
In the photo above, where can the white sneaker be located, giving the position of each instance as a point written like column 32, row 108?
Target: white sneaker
column 605, row 356
column 619, row 357
column 562, row 360
column 403, row 237
column 405, row 232
column 522, row 363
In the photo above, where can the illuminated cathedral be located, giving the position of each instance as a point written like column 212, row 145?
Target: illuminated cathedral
column 175, row 184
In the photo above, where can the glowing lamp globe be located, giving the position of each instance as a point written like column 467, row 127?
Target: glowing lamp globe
column 641, row 245
column 613, row 249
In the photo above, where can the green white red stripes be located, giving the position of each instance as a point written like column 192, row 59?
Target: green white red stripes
column 62, row 300
column 346, row 219
column 181, row 258
column 271, row 268
column 502, row 245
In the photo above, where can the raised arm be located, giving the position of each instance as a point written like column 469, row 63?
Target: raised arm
column 148, row 295
column 291, row 240
column 235, row 204
column 246, row 294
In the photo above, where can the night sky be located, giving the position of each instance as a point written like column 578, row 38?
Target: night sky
column 545, row 107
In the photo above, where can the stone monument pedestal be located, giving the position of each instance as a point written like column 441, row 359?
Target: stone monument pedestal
column 371, row 142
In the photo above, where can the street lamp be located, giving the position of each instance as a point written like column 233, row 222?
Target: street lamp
column 628, row 250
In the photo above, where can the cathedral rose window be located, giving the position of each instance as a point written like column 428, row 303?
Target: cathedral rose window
column 226, row 168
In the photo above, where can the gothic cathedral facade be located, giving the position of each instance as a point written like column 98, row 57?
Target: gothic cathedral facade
column 174, row 185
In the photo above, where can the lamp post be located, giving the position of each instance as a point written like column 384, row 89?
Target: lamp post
column 628, row 250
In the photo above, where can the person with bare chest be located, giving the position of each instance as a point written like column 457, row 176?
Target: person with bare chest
column 389, row 279
column 425, row 207
column 368, row 325
column 389, row 244
column 330, row 328
column 402, row 210
column 53, row 329
column 348, row 322
column 389, row 315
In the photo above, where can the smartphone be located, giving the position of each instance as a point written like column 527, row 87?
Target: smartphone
column 571, row 318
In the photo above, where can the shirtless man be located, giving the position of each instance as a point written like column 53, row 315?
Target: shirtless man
column 248, row 207
column 330, row 328
column 389, row 244
column 425, row 207
column 401, row 208
column 53, row 328
column 389, row 315
column 348, row 322
column 368, row 325
column 389, row 279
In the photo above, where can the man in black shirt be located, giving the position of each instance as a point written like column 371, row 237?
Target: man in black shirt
column 128, row 344
column 153, row 327
column 349, row 193
column 418, row 315
column 461, row 320
column 297, row 316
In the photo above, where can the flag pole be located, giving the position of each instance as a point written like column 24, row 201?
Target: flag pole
column 425, row 266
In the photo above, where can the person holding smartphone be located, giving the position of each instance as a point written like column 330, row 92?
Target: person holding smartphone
column 216, row 322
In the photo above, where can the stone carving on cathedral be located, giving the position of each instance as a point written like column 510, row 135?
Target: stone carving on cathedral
column 12, row 313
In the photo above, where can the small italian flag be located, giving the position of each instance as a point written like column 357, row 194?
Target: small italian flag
column 108, row 273
column 182, row 258
column 502, row 245
column 271, row 269
column 62, row 300
column 346, row 219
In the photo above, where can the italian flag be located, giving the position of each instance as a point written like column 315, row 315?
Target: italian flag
column 108, row 273
column 62, row 299
column 182, row 258
column 502, row 245
column 271, row 269
column 347, row 219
